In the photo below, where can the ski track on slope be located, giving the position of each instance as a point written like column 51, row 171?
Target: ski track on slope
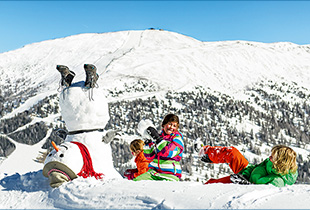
column 133, row 40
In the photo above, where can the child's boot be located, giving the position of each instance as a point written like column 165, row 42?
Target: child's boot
column 66, row 75
column 91, row 75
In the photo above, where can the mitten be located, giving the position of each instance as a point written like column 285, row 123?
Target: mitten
column 147, row 141
column 205, row 158
column 129, row 173
column 239, row 179
column 154, row 134
column 129, row 176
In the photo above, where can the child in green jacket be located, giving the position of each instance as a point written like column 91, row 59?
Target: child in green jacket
column 279, row 169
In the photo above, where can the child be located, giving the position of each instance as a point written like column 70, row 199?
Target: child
column 279, row 169
column 165, row 151
column 136, row 148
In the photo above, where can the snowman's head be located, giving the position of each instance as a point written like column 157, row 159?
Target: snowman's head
column 63, row 164
column 82, row 108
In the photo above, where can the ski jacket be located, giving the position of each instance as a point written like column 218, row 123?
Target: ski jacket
column 264, row 173
column 142, row 164
column 166, row 155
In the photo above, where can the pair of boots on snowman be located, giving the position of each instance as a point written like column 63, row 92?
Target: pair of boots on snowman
column 67, row 75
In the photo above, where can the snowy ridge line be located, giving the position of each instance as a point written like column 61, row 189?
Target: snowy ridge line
column 224, row 66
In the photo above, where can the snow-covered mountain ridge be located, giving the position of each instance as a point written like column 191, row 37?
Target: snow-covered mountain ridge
column 247, row 94
column 158, row 57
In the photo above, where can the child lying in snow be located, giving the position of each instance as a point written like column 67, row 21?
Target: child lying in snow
column 279, row 169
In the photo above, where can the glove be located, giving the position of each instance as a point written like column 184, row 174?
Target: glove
column 147, row 141
column 205, row 158
column 129, row 173
column 129, row 176
column 239, row 179
column 154, row 134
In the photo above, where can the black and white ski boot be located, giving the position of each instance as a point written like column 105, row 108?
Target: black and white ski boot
column 91, row 76
column 66, row 75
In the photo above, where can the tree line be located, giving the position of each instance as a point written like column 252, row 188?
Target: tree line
column 213, row 117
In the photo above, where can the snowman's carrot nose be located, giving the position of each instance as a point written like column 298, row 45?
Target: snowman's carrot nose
column 55, row 147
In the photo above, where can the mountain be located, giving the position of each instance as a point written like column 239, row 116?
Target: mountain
column 128, row 56
column 247, row 94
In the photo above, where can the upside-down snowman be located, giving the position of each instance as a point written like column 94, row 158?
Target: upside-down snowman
column 84, row 153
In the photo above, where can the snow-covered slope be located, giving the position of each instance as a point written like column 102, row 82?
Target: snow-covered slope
column 164, row 61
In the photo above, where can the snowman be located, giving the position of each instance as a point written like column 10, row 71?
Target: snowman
column 86, row 151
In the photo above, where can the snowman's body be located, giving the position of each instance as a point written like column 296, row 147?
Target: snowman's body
column 84, row 152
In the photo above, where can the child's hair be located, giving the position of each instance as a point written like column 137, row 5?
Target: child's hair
column 170, row 118
column 136, row 145
column 284, row 159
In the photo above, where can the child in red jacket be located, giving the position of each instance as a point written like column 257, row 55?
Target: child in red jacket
column 136, row 148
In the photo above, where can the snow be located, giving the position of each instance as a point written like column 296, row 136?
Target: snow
column 168, row 61
column 31, row 190
column 83, row 109
column 160, row 58
column 22, row 159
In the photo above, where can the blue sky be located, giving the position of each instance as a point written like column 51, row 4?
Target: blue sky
column 26, row 22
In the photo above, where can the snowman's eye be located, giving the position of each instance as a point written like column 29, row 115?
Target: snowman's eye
column 64, row 147
column 61, row 155
column 50, row 154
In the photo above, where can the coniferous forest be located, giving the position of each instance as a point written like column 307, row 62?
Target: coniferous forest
column 272, row 114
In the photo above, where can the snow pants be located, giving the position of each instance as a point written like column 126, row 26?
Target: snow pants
column 230, row 155
column 153, row 175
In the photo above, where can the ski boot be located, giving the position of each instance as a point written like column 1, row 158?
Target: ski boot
column 66, row 75
column 91, row 76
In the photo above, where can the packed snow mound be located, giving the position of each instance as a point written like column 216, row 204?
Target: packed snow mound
column 84, row 109
column 90, row 193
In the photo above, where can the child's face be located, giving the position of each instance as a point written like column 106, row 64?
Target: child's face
column 272, row 157
column 170, row 127
column 136, row 153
